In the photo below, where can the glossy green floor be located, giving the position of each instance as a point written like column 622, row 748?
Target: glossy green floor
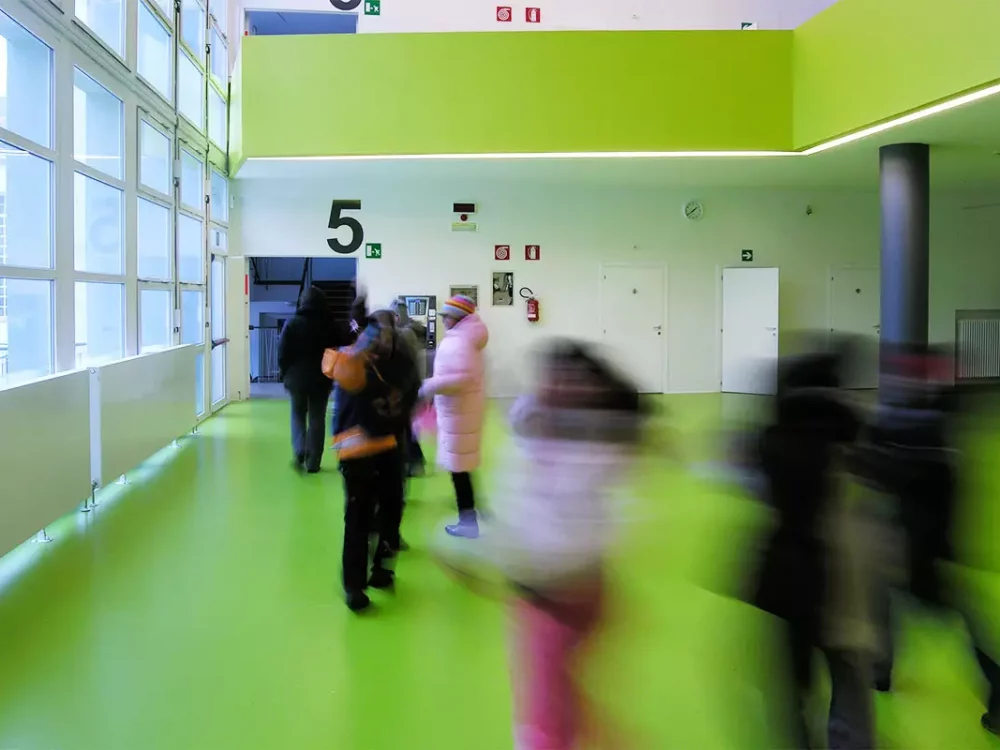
column 198, row 609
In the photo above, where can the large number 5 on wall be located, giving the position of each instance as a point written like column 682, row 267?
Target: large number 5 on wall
column 337, row 220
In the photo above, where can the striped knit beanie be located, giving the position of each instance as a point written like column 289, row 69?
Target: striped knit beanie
column 458, row 307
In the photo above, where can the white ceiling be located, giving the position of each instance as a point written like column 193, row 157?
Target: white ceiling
column 965, row 146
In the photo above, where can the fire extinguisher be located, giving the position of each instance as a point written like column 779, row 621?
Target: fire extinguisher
column 533, row 310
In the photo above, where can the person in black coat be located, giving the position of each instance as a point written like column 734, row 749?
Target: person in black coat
column 300, row 356
column 797, row 456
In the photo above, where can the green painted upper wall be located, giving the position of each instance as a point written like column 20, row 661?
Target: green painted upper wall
column 861, row 62
column 858, row 63
column 503, row 92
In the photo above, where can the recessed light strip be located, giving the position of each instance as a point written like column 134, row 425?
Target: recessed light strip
column 561, row 155
column 975, row 96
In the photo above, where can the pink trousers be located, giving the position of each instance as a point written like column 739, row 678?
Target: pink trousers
column 549, row 640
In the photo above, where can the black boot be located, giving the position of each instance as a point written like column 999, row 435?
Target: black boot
column 358, row 601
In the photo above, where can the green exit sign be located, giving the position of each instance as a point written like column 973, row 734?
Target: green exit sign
column 373, row 250
column 373, row 7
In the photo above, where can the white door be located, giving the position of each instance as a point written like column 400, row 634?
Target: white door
column 750, row 330
column 855, row 312
column 632, row 321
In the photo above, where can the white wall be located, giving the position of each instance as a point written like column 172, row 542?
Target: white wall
column 581, row 227
column 404, row 16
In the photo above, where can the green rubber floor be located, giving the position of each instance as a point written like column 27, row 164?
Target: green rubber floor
column 198, row 608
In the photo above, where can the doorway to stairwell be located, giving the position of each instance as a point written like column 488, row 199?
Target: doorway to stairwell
column 275, row 287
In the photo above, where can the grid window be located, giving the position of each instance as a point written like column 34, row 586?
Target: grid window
column 190, row 250
column 217, row 112
column 25, row 83
column 219, row 10
column 26, row 330
column 98, row 125
column 26, row 193
column 154, row 159
column 193, row 25
column 199, row 383
column 192, row 316
column 154, row 50
column 190, row 91
column 220, row 198
column 217, row 240
column 98, row 241
column 218, row 299
column 192, row 181
column 218, row 373
column 156, row 325
column 106, row 18
column 100, row 323
column 153, row 246
column 167, row 6
column 219, row 58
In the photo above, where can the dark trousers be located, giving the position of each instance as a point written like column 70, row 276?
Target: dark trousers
column 466, row 498
column 413, row 453
column 309, row 424
column 373, row 508
column 926, row 493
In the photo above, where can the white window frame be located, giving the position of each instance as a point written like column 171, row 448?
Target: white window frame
column 157, row 12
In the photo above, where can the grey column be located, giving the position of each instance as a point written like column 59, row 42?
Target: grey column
column 905, row 196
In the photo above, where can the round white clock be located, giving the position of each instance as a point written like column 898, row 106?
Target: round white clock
column 694, row 211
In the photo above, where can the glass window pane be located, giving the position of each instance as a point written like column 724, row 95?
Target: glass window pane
column 218, row 299
column 190, row 91
column 153, row 246
column 219, row 58
column 193, row 25
column 100, row 323
column 25, row 209
column 190, row 250
column 199, row 382
column 218, row 373
column 219, row 9
column 192, row 181
column 217, row 240
column 98, row 124
column 106, row 18
column 167, row 6
column 156, row 320
column 25, row 83
column 154, row 52
column 220, row 198
column 217, row 112
column 98, row 245
column 154, row 159
column 192, row 317
column 25, row 330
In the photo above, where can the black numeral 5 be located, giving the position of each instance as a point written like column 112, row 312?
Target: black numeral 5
column 337, row 221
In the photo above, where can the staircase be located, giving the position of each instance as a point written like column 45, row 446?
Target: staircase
column 339, row 296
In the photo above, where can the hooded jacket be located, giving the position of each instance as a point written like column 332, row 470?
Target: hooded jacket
column 304, row 339
column 459, row 388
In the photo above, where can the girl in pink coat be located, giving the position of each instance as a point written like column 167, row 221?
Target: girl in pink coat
column 460, row 400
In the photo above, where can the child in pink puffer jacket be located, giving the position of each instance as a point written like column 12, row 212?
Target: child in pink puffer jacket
column 459, row 395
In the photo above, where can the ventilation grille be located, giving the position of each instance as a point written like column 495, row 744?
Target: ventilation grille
column 977, row 344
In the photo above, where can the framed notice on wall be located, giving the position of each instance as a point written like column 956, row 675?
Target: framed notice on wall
column 503, row 289
column 472, row 292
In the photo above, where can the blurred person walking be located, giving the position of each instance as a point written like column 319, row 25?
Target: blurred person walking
column 300, row 355
column 912, row 455
column 459, row 392
column 414, row 454
column 575, row 439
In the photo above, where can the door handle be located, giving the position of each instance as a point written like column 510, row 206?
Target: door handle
column 657, row 328
column 772, row 329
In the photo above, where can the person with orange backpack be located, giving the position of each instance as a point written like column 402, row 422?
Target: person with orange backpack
column 375, row 390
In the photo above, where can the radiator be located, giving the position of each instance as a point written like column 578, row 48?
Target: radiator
column 139, row 405
column 44, row 453
column 977, row 345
